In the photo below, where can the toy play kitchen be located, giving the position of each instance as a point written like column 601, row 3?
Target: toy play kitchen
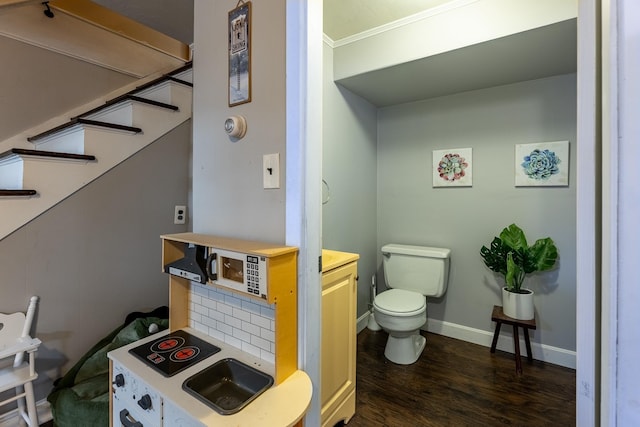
column 203, row 371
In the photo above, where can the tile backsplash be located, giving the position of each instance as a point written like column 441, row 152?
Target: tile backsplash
column 243, row 322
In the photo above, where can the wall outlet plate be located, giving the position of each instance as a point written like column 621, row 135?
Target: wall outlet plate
column 180, row 215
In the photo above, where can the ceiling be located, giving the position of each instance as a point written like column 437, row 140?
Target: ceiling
column 342, row 18
column 493, row 62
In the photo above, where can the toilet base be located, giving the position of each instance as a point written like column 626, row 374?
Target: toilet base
column 405, row 350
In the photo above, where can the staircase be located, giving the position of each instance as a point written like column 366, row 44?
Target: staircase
column 49, row 166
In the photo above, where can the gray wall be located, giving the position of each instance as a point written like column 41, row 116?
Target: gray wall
column 411, row 211
column 349, row 168
column 37, row 84
column 96, row 257
column 228, row 194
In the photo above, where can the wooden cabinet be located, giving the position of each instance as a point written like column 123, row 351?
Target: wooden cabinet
column 338, row 360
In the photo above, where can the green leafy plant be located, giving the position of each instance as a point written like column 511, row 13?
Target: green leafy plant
column 511, row 256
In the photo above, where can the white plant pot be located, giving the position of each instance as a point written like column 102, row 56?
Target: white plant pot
column 518, row 306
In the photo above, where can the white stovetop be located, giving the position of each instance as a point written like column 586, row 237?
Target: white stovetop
column 278, row 406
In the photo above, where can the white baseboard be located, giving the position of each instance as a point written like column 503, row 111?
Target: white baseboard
column 543, row 352
column 12, row 418
column 362, row 322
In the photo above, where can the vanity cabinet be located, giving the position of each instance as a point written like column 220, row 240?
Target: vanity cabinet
column 338, row 359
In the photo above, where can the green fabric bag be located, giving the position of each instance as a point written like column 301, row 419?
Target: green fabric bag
column 81, row 396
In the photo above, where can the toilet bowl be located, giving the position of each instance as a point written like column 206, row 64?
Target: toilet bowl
column 412, row 274
column 401, row 314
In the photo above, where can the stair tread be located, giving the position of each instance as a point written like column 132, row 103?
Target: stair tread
column 14, row 193
column 131, row 97
column 79, row 120
column 43, row 153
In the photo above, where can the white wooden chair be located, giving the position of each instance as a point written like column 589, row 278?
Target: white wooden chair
column 16, row 372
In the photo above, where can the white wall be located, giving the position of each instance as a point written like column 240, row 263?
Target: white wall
column 349, row 168
column 411, row 211
column 228, row 194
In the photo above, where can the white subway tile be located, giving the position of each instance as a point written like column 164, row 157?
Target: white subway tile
column 260, row 342
column 267, row 334
column 240, row 334
column 208, row 321
column 251, row 349
column 224, row 328
column 268, row 312
column 201, row 309
column 209, row 303
column 241, row 314
column 200, row 327
column 251, row 328
column 225, row 309
column 267, row 356
column 263, row 322
column 216, row 334
column 232, row 300
column 215, row 314
column 231, row 340
column 233, row 321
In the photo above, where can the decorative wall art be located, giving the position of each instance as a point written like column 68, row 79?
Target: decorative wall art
column 452, row 168
column 542, row 164
column 240, row 54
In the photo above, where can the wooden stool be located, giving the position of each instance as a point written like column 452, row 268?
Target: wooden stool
column 499, row 317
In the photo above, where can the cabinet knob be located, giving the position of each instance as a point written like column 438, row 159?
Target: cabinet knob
column 119, row 380
column 145, row 402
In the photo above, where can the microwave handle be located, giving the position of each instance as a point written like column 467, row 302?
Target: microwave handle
column 212, row 266
column 124, row 419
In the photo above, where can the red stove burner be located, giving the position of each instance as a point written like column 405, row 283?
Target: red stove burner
column 184, row 354
column 167, row 344
column 175, row 352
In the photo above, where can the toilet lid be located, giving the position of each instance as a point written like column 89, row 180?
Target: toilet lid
column 400, row 302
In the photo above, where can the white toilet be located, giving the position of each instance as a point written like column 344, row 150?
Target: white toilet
column 412, row 273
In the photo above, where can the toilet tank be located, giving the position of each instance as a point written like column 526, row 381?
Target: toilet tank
column 420, row 269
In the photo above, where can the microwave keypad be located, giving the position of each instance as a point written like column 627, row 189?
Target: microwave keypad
column 253, row 275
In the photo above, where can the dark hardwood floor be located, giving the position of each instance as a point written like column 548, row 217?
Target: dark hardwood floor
column 455, row 383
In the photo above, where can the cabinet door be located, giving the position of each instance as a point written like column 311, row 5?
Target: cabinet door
column 338, row 365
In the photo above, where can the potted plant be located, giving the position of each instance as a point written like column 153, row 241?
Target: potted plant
column 511, row 256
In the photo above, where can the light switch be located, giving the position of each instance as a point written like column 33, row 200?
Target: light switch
column 271, row 170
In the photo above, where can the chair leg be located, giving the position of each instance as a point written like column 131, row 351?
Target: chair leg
column 32, row 413
column 20, row 394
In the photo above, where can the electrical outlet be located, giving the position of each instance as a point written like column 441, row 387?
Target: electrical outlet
column 271, row 170
column 180, row 215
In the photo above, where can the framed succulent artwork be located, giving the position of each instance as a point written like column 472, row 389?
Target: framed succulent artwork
column 542, row 164
column 452, row 167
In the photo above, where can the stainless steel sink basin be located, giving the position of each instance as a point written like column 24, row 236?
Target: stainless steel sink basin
column 228, row 385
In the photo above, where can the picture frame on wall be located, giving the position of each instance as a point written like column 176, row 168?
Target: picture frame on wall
column 240, row 54
column 453, row 167
column 542, row 164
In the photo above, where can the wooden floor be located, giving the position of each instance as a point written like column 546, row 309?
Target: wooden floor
column 455, row 383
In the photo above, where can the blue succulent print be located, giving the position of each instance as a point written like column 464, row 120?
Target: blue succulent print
column 541, row 164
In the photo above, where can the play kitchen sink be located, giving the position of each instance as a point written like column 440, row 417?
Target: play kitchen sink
column 228, row 385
